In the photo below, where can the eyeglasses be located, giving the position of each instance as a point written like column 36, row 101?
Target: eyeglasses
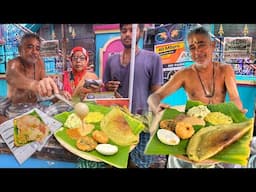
column 81, row 58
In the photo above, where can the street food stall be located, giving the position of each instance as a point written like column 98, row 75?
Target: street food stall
column 59, row 149
column 47, row 112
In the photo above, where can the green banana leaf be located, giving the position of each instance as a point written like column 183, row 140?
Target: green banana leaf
column 236, row 153
column 119, row 160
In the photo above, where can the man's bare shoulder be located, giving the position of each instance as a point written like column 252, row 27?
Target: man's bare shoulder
column 226, row 69
column 186, row 70
column 225, row 66
column 15, row 62
column 183, row 73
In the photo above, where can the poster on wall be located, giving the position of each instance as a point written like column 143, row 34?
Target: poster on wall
column 172, row 55
column 49, row 48
column 237, row 51
column 171, row 52
column 237, row 47
column 169, row 44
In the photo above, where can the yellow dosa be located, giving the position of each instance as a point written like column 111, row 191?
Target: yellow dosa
column 117, row 128
column 210, row 140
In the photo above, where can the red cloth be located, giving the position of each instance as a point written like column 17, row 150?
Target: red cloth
column 83, row 50
column 78, row 75
column 66, row 82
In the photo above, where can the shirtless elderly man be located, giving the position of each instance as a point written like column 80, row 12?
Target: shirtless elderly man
column 25, row 74
column 206, row 81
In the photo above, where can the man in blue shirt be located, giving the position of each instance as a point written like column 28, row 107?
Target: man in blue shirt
column 148, row 77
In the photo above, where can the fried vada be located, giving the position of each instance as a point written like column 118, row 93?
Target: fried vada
column 86, row 143
column 100, row 136
column 184, row 130
column 168, row 124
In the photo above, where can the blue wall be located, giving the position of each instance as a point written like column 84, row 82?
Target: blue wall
column 3, row 88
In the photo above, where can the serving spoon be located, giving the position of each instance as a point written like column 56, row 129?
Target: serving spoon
column 62, row 98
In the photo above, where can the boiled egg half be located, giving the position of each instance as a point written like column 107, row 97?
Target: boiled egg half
column 107, row 149
column 168, row 137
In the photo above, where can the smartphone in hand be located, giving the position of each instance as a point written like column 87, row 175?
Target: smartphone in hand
column 89, row 82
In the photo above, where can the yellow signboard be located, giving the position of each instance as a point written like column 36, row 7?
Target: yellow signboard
column 171, row 52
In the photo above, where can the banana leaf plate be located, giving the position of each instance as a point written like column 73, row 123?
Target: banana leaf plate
column 119, row 160
column 236, row 153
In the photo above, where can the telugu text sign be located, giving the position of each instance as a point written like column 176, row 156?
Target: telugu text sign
column 49, row 48
column 237, row 47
